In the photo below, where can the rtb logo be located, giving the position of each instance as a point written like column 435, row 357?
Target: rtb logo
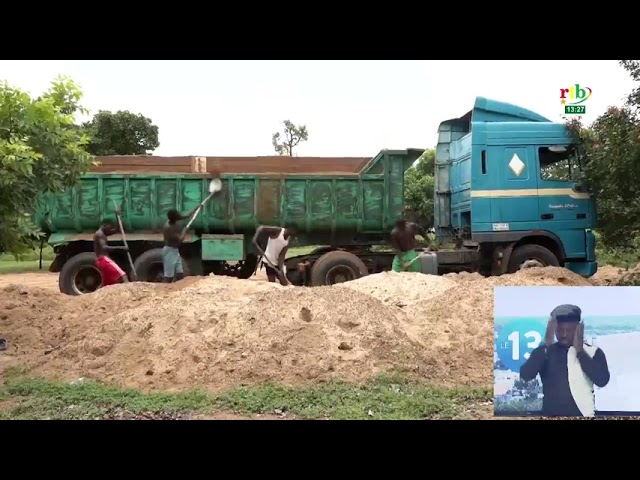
column 573, row 97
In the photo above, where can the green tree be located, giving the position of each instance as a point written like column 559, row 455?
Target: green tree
column 633, row 67
column 419, row 189
column 283, row 143
column 611, row 146
column 121, row 133
column 41, row 149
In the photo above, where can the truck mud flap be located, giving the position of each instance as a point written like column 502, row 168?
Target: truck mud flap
column 57, row 263
column 501, row 257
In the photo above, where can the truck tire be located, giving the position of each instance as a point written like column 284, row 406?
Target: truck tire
column 337, row 267
column 531, row 255
column 79, row 275
column 149, row 266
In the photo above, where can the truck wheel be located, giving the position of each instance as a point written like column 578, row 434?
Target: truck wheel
column 149, row 266
column 337, row 267
column 79, row 275
column 247, row 266
column 526, row 256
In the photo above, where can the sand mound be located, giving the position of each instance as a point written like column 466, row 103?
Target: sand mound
column 607, row 275
column 212, row 335
column 400, row 288
column 456, row 327
column 217, row 332
column 616, row 276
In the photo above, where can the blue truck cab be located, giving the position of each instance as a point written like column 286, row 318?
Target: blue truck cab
column 506, row 193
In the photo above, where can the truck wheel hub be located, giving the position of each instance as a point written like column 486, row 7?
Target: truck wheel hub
column 530, row 263
column 340, row 274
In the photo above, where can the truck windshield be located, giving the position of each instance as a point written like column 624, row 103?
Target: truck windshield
column 559, row 164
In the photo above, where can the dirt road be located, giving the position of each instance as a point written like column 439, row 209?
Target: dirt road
column 605, row 276
column 49, row 280
column 46, row 280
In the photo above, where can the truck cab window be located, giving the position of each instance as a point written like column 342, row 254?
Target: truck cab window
column 557, row 165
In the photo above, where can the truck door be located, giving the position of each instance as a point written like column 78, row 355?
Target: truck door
column 514, row 202
column 564, row 206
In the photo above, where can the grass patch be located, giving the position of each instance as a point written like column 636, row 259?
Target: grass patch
column 23, row 266
column 384, row 397
column 295, row 251
column 47, row 254
column 624, row 259
column 26, row 262
column 37, row 399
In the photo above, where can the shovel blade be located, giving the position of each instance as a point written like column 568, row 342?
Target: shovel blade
column 215, row 185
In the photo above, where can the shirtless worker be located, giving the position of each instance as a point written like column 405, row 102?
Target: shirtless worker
column 403, row 240
column 109, row 270
column 173, row 238
column 279, row 240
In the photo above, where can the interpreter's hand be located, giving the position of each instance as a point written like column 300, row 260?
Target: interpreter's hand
column 551, row 332
column 578, row 337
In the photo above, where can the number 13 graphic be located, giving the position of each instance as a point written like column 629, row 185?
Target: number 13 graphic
column 534, row 337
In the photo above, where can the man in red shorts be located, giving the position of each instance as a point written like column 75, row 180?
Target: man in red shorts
column 109, row 270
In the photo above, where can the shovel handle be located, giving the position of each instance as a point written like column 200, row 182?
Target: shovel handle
column 281, row 274
column 411, row 262
column 195, row 214
column 124, row 240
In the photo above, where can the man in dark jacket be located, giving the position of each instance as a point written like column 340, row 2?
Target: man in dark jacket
column 568, row 368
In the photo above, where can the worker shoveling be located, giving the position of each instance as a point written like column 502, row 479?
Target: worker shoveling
column 174, row 235
column 272, row 257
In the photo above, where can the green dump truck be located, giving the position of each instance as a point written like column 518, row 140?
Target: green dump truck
column 505, row 195
column 351, row 212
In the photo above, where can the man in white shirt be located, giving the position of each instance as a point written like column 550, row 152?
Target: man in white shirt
column 279, row 240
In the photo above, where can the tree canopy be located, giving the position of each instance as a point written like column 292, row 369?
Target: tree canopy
column 611, row 148
column 284, row 143
column 41, row 149
column 121, row 133
column 418, row 189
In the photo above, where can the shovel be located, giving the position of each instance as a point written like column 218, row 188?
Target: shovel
column 214, row 187
column 134, row 275
column 281, row 274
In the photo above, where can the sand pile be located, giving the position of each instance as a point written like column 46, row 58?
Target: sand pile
column 217, row 332
column 221, row 331
column 404, row 288
column 38, row 321
column 24, row 320
column 456, row 327
column 615, row 276
column 607, row 275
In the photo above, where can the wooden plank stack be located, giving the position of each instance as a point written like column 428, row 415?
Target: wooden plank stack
column 146, row 164
column 273, row 165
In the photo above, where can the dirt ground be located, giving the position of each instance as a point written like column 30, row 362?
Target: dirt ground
column 45, row 280
column 49, row 280
column 219, row 332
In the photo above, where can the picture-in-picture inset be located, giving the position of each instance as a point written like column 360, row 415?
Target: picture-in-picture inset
column 567, row 351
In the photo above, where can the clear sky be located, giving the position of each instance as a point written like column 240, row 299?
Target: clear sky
column 351, row 108
column 540, row 301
